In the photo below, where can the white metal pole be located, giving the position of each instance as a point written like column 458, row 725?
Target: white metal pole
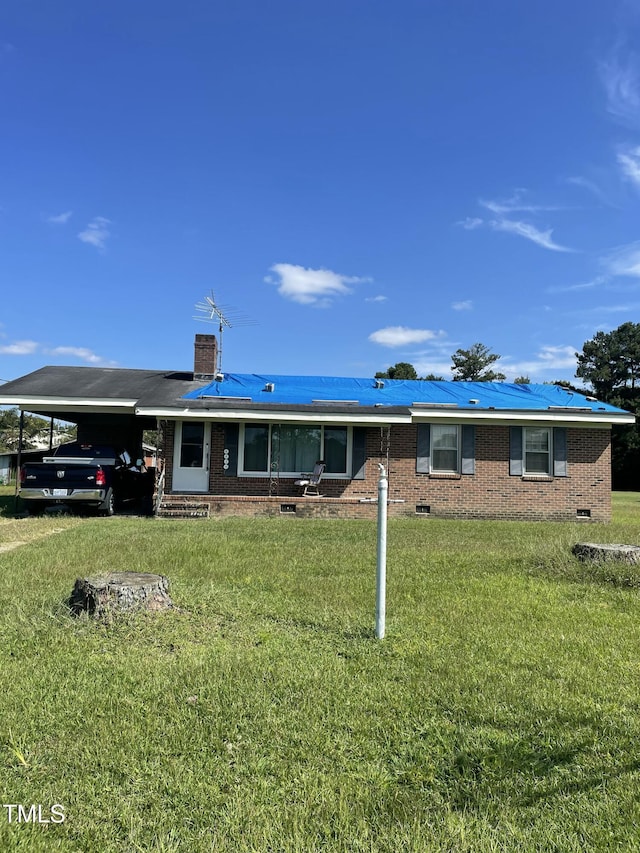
column 381, row 572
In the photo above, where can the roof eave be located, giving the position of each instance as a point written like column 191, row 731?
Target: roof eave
column 311, row 415
column 68, row 404
column 499, row 416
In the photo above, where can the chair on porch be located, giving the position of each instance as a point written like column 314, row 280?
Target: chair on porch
column 310, row 482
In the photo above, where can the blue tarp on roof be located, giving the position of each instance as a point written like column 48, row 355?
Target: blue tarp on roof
column 306, row 390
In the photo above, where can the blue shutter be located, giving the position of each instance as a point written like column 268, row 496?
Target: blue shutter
column 468, row 465
column 516, row 467
column 423, row 451
column 559, row 452
column 230, row 452
column 359, row 453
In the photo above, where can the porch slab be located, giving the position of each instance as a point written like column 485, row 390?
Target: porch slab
column 283, row 505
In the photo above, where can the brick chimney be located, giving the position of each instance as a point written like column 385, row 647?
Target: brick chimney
column 205, row 361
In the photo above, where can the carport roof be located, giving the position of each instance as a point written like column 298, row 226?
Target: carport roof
column 57, row 389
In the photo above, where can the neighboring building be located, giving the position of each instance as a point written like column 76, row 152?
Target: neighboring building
column 9, row 462
column 235, row 444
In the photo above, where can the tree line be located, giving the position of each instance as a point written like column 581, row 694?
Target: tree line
column 35, row 430
column 469, row 365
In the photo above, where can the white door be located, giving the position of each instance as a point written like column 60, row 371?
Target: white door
column 191, row 456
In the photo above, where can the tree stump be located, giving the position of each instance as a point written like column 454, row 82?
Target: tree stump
column 596, row 552
column 120, row 592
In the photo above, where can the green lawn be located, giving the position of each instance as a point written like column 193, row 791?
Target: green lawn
column 501, row 712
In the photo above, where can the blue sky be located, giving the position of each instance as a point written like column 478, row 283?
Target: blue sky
column 368, row 182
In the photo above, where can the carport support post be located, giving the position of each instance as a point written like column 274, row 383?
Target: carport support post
column 381, row 571
column 19, row 462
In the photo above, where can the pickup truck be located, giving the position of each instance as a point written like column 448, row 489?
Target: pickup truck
column 87, row 476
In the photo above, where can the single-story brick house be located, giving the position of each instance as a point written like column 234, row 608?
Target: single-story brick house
column 234, row 444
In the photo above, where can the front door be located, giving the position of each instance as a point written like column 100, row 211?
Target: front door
column 191, row 456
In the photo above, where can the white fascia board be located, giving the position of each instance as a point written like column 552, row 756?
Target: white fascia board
column 64, row 404
column 354, row 419
column 543, row 417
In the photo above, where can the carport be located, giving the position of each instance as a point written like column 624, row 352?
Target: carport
column 101, row 401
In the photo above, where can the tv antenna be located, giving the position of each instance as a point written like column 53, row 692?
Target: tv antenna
column 224, row 315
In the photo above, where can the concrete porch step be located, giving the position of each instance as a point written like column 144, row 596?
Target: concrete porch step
column 183, row 509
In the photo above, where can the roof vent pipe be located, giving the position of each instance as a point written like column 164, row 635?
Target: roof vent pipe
column 270, row 386
column 379, row 383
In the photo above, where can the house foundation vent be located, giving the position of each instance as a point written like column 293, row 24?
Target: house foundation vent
column 583, row 513
column 288, row 509
column 423, row 509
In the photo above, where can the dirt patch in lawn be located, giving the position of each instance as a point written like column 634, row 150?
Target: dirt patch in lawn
column 17, row 543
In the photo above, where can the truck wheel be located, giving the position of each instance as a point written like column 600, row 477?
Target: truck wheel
column 108, row 506
column 35, row 508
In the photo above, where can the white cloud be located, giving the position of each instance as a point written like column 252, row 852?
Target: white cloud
column 399, row 336
column 592, row 187
column 471, row 223
column 61, row 218
column 515, row 204
column 586, row 285
column 376, row 298
column 19, row 348
column 96, row 233
column 624, row 261
column 522, row 229
column 529, row 232
column 548, row 363
column 629, row 162
column 465, row 305
column 426, row 366
column 558, row 356
column 621, row 80
column 82, row 353
column 309, row 286
column 620, row 308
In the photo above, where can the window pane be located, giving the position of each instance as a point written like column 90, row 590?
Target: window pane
column 335, row 450
column 445, row 460
column 192, row 445
column 537, row 440
column 537, row 463
column 537, row 444
column 256, row 445
column 444, row 448
column 294, row 449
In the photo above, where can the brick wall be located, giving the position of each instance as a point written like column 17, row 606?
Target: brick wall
column 489, row 493
column 492, row 493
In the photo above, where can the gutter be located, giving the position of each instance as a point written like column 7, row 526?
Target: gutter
column 413, row 415
column 67, row 404
column 516, row 416
column 244, row 415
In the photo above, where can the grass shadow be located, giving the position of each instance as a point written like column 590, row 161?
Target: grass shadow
column 10, row 506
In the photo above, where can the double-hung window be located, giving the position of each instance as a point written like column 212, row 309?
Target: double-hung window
column 538, row 450
column 290, row 449
column 445, row 449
